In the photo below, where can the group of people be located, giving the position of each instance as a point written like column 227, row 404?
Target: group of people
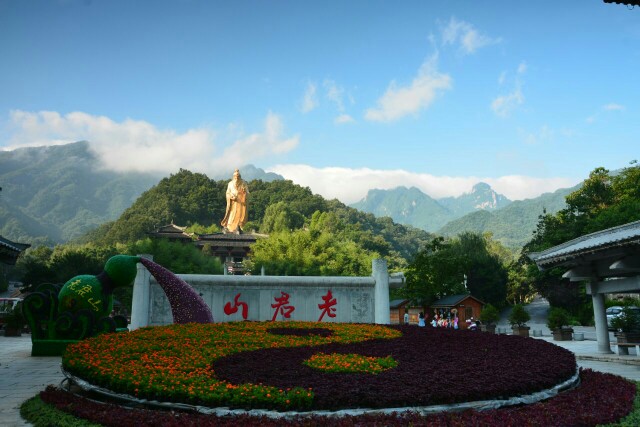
column 440, row 321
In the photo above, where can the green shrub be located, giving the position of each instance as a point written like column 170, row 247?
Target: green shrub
column 626, row 321
column 558, row 317
column 41, row 414
column 489, row 315
column 518, row 316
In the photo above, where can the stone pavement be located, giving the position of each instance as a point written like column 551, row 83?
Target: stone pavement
column 23, row 376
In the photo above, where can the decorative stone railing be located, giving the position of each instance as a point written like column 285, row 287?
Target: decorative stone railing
column 262, row 298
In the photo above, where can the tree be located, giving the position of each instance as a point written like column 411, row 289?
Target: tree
column 446, row 266
column 486, row 274
column 310, row 253
column 434, row 273
column 595, row 194
column 603, row 201
column 279, row 217
column 518, row 316
column 520, row 286
column 182, row 258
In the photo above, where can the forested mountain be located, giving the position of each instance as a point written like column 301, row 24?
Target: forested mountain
column 479, row 211
column 514, row 224
column 188, row 198
column 406, row 206
column 413, row 207
column 55, row 194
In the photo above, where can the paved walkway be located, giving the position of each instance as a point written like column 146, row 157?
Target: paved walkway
column 23, row 376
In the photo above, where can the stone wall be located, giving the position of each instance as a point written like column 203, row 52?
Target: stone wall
column 262, row 298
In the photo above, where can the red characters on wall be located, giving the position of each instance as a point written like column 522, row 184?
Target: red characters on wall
column 282, row 306
column 229, row 310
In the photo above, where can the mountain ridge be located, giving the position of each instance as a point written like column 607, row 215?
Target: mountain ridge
column 54, row 194
column 481, row 210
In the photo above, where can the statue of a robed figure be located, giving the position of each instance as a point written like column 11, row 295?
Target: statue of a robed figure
column 235, row 217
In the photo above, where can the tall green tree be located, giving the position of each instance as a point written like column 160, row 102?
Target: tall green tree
column 280, row 217
column 459, row 265
column 434, row 273
column 321, row 250
column 605, row 200
column 485, row 271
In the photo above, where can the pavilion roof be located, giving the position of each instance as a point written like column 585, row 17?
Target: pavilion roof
column 612, row 240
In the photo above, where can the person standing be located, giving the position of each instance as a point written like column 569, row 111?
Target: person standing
column 235, row 216
column 406, row 317
column 421, row 319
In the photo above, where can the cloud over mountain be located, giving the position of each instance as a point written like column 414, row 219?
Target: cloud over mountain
column 136, row 145
column 350, row 185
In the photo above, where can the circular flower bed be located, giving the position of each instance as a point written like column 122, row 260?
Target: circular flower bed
column 244, row 365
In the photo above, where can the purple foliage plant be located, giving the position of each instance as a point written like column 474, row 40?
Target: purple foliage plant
column 187, row 306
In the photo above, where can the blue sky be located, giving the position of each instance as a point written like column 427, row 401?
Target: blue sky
column 340, row 96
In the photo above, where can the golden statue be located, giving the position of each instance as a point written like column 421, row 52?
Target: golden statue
column 235, row 216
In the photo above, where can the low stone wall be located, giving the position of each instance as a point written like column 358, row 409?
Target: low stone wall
column 282, row 298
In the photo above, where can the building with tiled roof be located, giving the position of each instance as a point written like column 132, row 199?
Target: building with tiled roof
column 9, row 251
column 608, row 261
column 232, row 249
column 172, row 232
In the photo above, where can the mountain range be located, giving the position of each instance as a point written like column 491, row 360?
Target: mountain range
column 413, row 207
column 55, row 194
column 481, row 210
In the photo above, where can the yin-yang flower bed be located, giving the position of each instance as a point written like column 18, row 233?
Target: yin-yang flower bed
column 244, row 365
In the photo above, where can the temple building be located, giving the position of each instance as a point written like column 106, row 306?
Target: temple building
column 232, row 249
column 9, row 252
column 172, row 232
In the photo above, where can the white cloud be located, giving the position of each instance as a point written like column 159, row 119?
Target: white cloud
column 335, row 94
column 398, row 102
column 351, row 185
column 343, row 119
column 607, row 107
column 309, row 100
column 147, row 148
column 613, row 107
column 504, row 105
column 522, row 68
column 545, row 133
column 466, row 36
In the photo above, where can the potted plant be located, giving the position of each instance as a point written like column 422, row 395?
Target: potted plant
column 627, row 326
column 489, row 316
column 518, row 320
column 558, row 322
column 14, row 323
